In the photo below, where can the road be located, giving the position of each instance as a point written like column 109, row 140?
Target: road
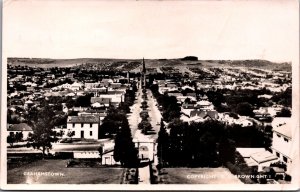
column 154, row 114
column 154, row 118
column 134, row 117
column 144, row 175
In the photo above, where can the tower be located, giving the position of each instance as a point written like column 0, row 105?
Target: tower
column 144, row 68
column 143, row 74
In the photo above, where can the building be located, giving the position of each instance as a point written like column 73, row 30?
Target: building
column 84, row 126
column 257, row 157
column 23, row 128
column 282, row 140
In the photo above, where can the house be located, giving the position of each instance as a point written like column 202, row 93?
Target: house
column 205, row 105
column 91, row 85
column 108, row 99
column 182, row 99
column 115, row 85
column 84, row 126
column 282, row 139
column 106, row 82
column 101, row 101
column 107, row 157
column 197, row 115
column 76, row 86
column 28, row 104
column 243, row 121
column 24, row 128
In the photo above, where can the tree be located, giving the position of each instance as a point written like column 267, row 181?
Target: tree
column 226, row 150
column 84, row 101
column 71, row 134
column 111, row 122
column 19, row 136
column 43, row 135
column 244, row 109
column 176, row 139
column 11, row 139
column 285, row 112
column 162, row 143
column 100, row 149
column 145, row 126
column 124, row 149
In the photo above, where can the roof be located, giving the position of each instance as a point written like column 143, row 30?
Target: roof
column 278, row 121
column 278, row 170
column 203, row 114
column 284, row 130
column 29, row 102
column 204, row 103
column 19, row 127
column 264, row 156
column 283, row 126
column 83, row 119
column 101, row 100
column 246, row 152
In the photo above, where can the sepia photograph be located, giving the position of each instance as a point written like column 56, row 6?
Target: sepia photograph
column 150, row 95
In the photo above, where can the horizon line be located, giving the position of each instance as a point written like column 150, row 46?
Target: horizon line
column 279, row 62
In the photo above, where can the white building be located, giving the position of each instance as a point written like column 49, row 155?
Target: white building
column 85, row 126
column 282, row 139
column 257, row 157
column 23, row 128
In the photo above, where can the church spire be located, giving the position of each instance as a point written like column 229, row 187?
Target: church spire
column 144, row 68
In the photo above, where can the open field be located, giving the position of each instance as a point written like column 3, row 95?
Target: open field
column 198, row 176
column 64, row 175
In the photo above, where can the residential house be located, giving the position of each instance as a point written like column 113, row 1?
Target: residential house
column 76, row 86
column 24, row 128
column 197, row 115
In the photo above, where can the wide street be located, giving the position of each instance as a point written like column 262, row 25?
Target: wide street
column 154, row 118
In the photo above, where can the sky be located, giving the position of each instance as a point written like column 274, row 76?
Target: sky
column 151, row 29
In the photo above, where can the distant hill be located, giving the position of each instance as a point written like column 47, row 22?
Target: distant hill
column 135, row 64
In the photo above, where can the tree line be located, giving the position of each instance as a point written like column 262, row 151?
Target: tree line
column 205, row 144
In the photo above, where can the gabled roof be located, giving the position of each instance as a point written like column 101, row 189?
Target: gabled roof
column 19, row 127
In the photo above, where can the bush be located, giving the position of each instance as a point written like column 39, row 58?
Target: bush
column 278, row 177
column 287, row 178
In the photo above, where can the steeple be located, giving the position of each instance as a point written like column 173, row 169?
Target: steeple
column 144, row 68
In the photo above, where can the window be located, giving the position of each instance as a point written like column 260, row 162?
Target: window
column 277, row 154
column 91, row 133
column 81, row 124
column 91, row 125
column 278, row 135
column 285, row 159
column 73, row 125
column 285, row 139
